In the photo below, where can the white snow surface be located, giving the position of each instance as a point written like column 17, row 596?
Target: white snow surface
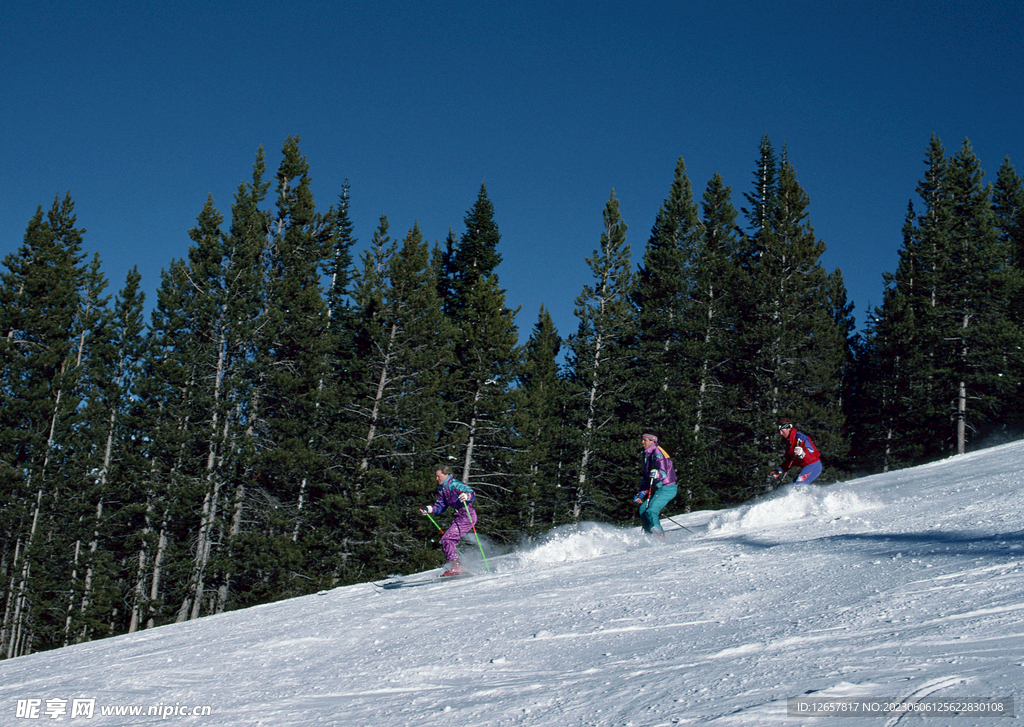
column 900, row 585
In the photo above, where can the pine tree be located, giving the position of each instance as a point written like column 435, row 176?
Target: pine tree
column 476, row 257
column 247, row 509
column 540, row 500
column 110, row 464
column 406, row 346
column 486, row 363
column 663, row 374
column 711, row 316
column 207, row 326
column 981, row 289
column 343, row 324
column 166, row 393
column 1008, row 207
column 948, row 317
column 881, row 422
column 600, row 380
column 793, row 350
column 207, row 357
column 893, row 411
column 297, row 394
column 840, row 310
column 339, row 262
column 44, row 324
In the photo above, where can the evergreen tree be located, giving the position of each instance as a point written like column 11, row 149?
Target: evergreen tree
column 840, row 310
column 601, row 384
column 476, row 257
column 1008, row 207
column 541, row 495
column 406, row 347
column 663, row 369
column 207, row 326
column 45, row 316
column 793, row 350
column 976, row 314
column 343, row 325
column 486, row 364
column 947, row 317
column 247, row 509
column 711, row 316
column 881, row 422
column 80, row 498
column 110, row 464
column 187, row 386
column 297, row 393
column 339, row 262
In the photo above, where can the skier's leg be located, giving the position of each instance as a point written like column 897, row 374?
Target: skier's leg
column 450, row 540
column 659, row 498
column 645, row 521
column 809, row 473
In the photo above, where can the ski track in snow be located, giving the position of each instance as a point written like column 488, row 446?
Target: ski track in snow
column 897, row 586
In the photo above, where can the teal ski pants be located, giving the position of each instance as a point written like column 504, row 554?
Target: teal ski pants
column 651, row 508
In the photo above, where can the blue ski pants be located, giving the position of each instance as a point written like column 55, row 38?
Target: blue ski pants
column 809, row 473
column 652, row 506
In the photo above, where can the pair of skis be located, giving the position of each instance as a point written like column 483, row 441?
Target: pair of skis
column 409, row 582
column 412, row 582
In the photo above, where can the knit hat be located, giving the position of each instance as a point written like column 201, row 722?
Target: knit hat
column 652, row 437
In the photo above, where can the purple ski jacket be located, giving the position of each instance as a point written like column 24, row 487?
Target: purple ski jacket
column 448, row 495
column 656, row 458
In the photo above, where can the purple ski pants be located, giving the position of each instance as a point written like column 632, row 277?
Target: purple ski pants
column 461, row 525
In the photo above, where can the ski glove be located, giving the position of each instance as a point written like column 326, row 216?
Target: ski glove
column 798, row 451
column 640, row 497
column 463, row 497
column 777, row 472
column 426, row 510
column 655, row 475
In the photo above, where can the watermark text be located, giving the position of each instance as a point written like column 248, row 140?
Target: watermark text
column 931, row 706
column 86, row 708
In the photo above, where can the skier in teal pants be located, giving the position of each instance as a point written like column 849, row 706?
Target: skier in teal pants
column 658, row 484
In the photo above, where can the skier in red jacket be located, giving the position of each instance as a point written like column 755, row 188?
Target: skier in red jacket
column 800, row 451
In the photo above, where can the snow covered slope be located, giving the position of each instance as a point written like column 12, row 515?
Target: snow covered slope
column 903, row 585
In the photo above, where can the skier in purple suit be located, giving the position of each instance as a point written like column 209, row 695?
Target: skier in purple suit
column 458, row 495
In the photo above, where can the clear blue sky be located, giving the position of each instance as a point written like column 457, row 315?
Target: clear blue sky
column 142, row 109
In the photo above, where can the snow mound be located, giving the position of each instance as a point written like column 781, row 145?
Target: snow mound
column 789, row 504
column 584, row 541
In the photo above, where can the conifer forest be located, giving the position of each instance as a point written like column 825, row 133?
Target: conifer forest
column 268, row 426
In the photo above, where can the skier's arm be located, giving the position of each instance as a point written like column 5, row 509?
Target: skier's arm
column 658, row 472
column 439, row 504
column 466, row 493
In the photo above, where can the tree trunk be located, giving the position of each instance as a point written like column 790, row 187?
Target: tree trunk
column 588, row 431
column 961, row 420
column 467, row 464
column 382, row 383
column 190, row 606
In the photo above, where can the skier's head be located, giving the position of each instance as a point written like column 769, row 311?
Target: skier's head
column 442, row 473
column 785, row 424
column 648, row 439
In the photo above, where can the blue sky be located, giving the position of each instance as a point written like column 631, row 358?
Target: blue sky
column 142, row 110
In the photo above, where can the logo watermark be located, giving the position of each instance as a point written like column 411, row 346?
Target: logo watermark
column 86, row 708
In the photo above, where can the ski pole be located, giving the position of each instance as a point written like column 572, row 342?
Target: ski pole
column 680, row 525
column 466, row 505
column 435, row 522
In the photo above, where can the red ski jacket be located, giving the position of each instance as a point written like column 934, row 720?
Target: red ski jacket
column 800, row 451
